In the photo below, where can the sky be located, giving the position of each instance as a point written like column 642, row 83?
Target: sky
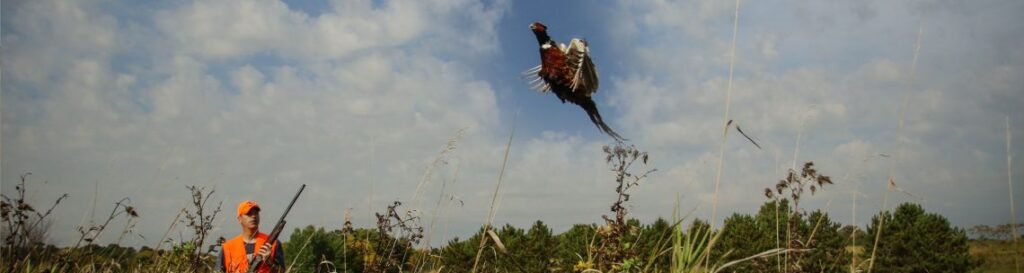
column 371, row 102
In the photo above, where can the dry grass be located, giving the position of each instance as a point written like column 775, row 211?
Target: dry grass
column 494, row 198
column 998, row 256
column 689, row 252
column 726, row 121
column 721, row 145
column 891, row 184
column 1009, row 182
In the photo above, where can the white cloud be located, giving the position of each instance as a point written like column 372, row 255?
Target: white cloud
column 202, row 113
column 253, row 98
column 231, row 29
column 51, row 33
column 838, row 73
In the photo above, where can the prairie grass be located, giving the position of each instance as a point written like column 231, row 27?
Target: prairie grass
column 891, row 183
column 1013, row 213
column 494, row 198
column 621, row 244
column 998, row 256
column 721, row 145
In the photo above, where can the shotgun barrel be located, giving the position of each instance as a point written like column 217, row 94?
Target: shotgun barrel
column 257, row 259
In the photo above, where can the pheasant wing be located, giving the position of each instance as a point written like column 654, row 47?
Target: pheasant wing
column 584, row 73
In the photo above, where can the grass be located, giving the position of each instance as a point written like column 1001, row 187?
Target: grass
column 997, row 255
column 899, row 143
column 1009, row 182
column 687, row 251
column 726, row 121
column 494, row 199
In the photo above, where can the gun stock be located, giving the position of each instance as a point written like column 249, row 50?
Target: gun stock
column 257, row 259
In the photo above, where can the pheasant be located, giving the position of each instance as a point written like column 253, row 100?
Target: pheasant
column 567, row 71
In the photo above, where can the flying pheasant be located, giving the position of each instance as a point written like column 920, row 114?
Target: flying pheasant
column 567, row 71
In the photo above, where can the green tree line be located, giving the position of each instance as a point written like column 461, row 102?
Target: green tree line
column 911, row 240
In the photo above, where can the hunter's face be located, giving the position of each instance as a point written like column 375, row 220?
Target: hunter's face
column 250, row 220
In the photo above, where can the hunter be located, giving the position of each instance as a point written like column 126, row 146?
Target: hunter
column 236, row 253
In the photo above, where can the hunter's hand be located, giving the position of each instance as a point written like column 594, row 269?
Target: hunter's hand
column 265, row 253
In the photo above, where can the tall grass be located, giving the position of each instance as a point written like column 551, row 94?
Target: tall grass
column 891, row 184
column 687, row 248
column 728, row 101
column 494, row 198
column 783, row 260
column 853, row 233
column 440, row 159
column 85, row 255
column 444, row 202
column 1009, row 183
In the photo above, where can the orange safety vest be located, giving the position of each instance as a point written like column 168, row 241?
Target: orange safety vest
column 234, row 254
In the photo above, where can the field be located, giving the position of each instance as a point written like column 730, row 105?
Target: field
column 781, row 237
column 996, row 255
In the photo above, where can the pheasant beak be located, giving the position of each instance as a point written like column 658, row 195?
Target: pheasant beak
column 532, row 27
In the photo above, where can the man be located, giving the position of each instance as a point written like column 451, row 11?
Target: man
column 236, row 253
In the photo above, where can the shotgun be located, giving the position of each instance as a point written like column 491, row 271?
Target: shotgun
column 257, row 259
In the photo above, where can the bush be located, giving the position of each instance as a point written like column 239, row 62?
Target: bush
column 744, row 235
column 915, row 241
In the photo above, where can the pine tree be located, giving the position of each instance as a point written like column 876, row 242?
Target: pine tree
column 915, row 241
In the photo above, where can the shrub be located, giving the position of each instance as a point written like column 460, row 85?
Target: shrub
column 745, row 236
column 915, row 241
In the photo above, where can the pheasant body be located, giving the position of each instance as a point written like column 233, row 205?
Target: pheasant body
column 568, row 71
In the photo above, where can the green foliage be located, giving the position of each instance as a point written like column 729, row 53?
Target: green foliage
column 689, row 249
column 573, row 245
column 660, row 246
column 829, row 254
column 534, row 250
column 741, row 237
column 458, row 255
column 539, row 250
column 915, row 241
column 541, row 246
column 308, row 246
column 653, row 244
column 744, row 236
column 312, row 249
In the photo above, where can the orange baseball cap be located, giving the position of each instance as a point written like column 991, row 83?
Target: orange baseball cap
column 245, row 206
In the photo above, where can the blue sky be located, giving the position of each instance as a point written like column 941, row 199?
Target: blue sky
column 357, row 99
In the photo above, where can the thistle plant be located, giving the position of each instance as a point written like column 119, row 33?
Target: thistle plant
column 24, row 227
column 614, row 250
column 791, row 190
column 200, row 221
column 398, row 234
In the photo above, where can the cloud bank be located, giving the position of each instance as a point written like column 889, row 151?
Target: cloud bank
column 107, row 100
